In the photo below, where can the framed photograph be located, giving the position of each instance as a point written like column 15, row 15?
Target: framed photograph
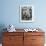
column 26, row 13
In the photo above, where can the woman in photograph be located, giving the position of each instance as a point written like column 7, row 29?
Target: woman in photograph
column 26, row 14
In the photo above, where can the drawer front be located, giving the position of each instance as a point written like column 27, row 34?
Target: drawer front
column 12, row 39
column 13, row 33
column 37, row 45
column 12, row 44
column 37, row 39
column 34, row 33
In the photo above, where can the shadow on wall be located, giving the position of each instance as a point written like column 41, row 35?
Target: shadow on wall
column 2, row 26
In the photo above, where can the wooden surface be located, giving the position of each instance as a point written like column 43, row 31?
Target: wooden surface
column 34, row 39
column 21, row 38
column 13, row 39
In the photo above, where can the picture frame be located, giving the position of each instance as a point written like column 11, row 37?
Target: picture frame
column 26, row 13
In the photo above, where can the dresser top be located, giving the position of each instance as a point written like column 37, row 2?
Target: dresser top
column 22, row 30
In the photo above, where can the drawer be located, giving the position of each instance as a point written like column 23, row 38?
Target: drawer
column 8, row 45
column 34, row 39
column 13, row 33
column 37, row 44
column 37, row 39
column 12, row 44
column 34, row 33
column 12, row 39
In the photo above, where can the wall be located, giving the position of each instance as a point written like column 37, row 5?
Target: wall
column 10, row 13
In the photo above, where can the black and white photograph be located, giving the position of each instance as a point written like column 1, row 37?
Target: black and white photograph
column 26, row 13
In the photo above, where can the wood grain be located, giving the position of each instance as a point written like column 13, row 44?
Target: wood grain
column 23, row 38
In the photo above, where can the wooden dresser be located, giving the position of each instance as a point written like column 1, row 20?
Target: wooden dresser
column 23, row 38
